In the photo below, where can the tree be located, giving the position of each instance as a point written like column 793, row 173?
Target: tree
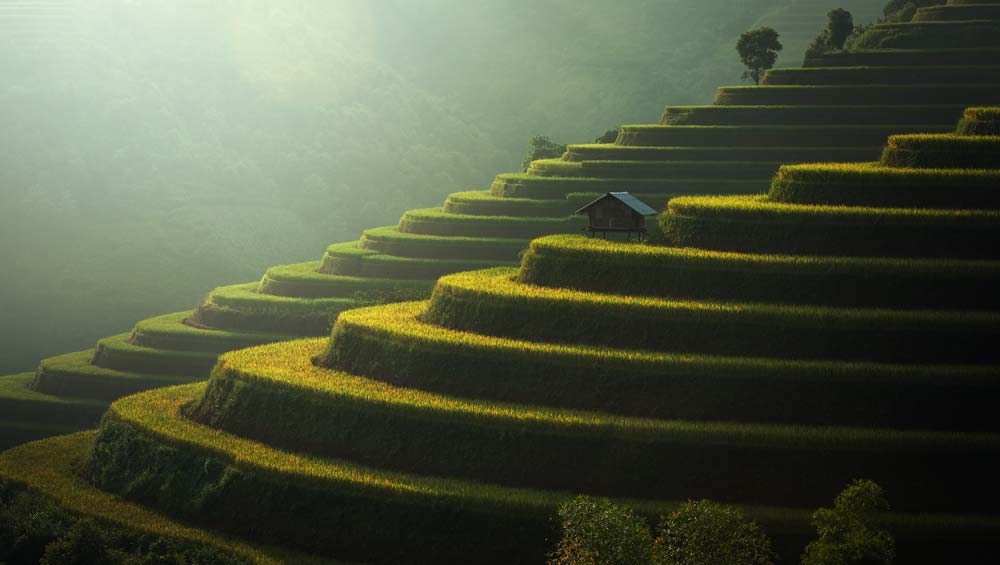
column 840, row 27
column 607, row 137
column 599, row 532
column 847, row 532
column 707, row 533
column 541, row 147
column 758, row 49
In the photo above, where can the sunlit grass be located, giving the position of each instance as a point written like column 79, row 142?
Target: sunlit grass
column 305, row 280
column 399, row 329
column 762, row 208
column 72, row 374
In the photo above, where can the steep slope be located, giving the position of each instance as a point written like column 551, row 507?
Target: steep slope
column 838, row 108
column 840, row 326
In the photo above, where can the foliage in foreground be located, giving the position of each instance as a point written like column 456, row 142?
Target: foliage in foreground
column 598, row 532
column 847, row 533
column 33, row 529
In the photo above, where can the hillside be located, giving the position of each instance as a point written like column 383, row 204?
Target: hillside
column 806, row 325
column 453, row 427
column 164, row 148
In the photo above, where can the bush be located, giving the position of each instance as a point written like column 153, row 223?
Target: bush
column 33, row 529
column 847, row 533
column 706, row 533
column 83, row 544
column 599, row 532
column 541, row 147
column 607, row 137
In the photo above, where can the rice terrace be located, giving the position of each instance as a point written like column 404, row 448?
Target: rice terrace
column 758, row 325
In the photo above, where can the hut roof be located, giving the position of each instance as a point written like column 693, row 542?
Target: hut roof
column 625, row 198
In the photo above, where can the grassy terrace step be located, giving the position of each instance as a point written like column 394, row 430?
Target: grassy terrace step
column 72, row 374
column 923, row 94
column 947, row 151
column 900, row 57
column 27, row 415
column 681, row 272
column 596, row 151
column 883, row 75
column 958, row 13
column 769, row 136
column 922, row 35
column 47, row 467
column 653, row 169
column 254, row 490
column 333, row 413
column 753, row 224
column 305, row 281
column 116, row 352
column 390, row 241
column 482, row 203
column 491, row 303
column 394, row 346
column 171, row 332
column 434, row 221
column 241, row 308
column 869, row 184
column 979, row 121
column 521, row 185
column 16, row 432
column 350, row 260
column 426, row 519
column 18, row 402
column 944, row 114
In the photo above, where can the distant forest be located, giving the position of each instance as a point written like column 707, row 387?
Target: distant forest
column 146, row 157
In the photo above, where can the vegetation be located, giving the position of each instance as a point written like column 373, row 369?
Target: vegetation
column 758, row 50
column 596, row 531
column 44, row 503
column 704, row 532
column 840, row 26
column 848, row 532
column 541, row 147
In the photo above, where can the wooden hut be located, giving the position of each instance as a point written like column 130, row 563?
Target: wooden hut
column 617, row 213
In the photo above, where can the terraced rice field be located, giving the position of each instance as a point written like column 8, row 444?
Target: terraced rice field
column 467, row 418
column 805, row 325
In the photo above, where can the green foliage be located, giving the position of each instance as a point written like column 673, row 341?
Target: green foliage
column 848, row 533
column 83, row 544
column 596, row 531
column 607, row 137
column 34, row 529
column 758, row 50
column 903, row 10
column 541, row 147
column 707, row 533
column 840, row 26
